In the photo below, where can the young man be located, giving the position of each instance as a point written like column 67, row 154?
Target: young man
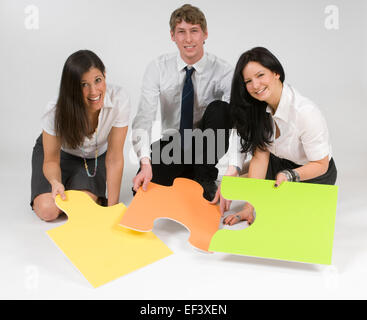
column 193, row 89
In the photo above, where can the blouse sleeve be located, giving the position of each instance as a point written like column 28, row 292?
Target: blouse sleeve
column 48, row 119
column 314, row 133
column 235, row 156
column 123, row 108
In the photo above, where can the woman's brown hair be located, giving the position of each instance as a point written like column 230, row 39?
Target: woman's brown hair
column 71, row 122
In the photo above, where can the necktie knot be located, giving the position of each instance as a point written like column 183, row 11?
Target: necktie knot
column 189, row 72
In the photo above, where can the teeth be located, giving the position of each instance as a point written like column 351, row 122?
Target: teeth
column 260, row 91
column 94, row 99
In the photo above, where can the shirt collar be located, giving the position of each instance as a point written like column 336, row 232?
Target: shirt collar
column 198, row 66
column 283, row 106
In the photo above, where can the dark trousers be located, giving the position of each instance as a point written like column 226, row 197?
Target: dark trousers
column 202, row 160
column 277, row 164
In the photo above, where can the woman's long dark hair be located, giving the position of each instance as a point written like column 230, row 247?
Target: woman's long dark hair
column 253, row 123
column 71, row 122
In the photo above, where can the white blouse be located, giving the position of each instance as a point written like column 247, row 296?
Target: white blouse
column 304, row 135
column 114, row 113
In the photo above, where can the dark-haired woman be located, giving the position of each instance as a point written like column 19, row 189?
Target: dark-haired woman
column 81, row 145
column 285, row 132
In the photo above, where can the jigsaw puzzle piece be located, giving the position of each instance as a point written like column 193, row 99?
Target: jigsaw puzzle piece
column 98, row 247
column 293, row 222
column 182, row 202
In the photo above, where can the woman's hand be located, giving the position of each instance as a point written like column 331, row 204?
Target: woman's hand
column 247, row 213
column 224, row 204
column 280, row 178
column 58, row 188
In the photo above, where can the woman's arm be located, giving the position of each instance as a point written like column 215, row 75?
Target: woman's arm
column 259, row 164
column 313, row 169
column 308, row 171
column 115, row 163
column 51, row 163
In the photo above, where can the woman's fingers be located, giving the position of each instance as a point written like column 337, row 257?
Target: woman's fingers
column 62, row 195
column 58, row 188
column 280, row 178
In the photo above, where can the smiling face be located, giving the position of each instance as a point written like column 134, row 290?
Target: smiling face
column 189, row 39
column 262, row 83
column 94, row 88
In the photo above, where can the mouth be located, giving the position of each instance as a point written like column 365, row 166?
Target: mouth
column 260, row 91
column 189, row 47
column 95, row 99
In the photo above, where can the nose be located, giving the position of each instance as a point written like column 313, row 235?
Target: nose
column 255, row 83
column 92, row 89
column 188, row 37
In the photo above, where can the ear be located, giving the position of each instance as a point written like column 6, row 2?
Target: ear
column 277, row 76
column 206, row 35
column 173, row 36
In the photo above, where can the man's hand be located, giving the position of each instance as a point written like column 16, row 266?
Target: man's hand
column 224, row 204
column 143, row 177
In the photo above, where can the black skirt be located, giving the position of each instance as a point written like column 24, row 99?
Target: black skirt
column 73, row 172
column 277, row 164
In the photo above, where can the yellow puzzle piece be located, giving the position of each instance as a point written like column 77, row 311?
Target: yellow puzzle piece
column 95, row 243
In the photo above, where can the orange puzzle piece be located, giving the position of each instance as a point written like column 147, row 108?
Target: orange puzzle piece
column 182, row 202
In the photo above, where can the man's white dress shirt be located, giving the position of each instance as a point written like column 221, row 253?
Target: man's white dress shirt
column 163, row 84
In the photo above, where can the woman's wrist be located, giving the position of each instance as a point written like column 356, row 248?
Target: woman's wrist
column 291, row 175
column 54, row 182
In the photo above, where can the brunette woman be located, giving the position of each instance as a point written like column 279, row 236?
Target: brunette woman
column 81, row 145
column 285, row 132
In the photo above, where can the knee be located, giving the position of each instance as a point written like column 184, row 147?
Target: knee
column 46, row 209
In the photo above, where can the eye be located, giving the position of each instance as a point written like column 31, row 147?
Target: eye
column 98, row 80
column 84, row 85
column 260, row 75
column 247, row 82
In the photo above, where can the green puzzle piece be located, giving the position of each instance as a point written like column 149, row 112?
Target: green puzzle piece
column 293, row 222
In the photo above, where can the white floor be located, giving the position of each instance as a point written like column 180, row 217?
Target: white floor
column 33, row 268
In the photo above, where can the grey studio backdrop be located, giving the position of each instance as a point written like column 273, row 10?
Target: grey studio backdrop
column 321, row 44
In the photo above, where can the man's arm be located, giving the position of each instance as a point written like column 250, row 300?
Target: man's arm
column 142, row 124
column 146, row 113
